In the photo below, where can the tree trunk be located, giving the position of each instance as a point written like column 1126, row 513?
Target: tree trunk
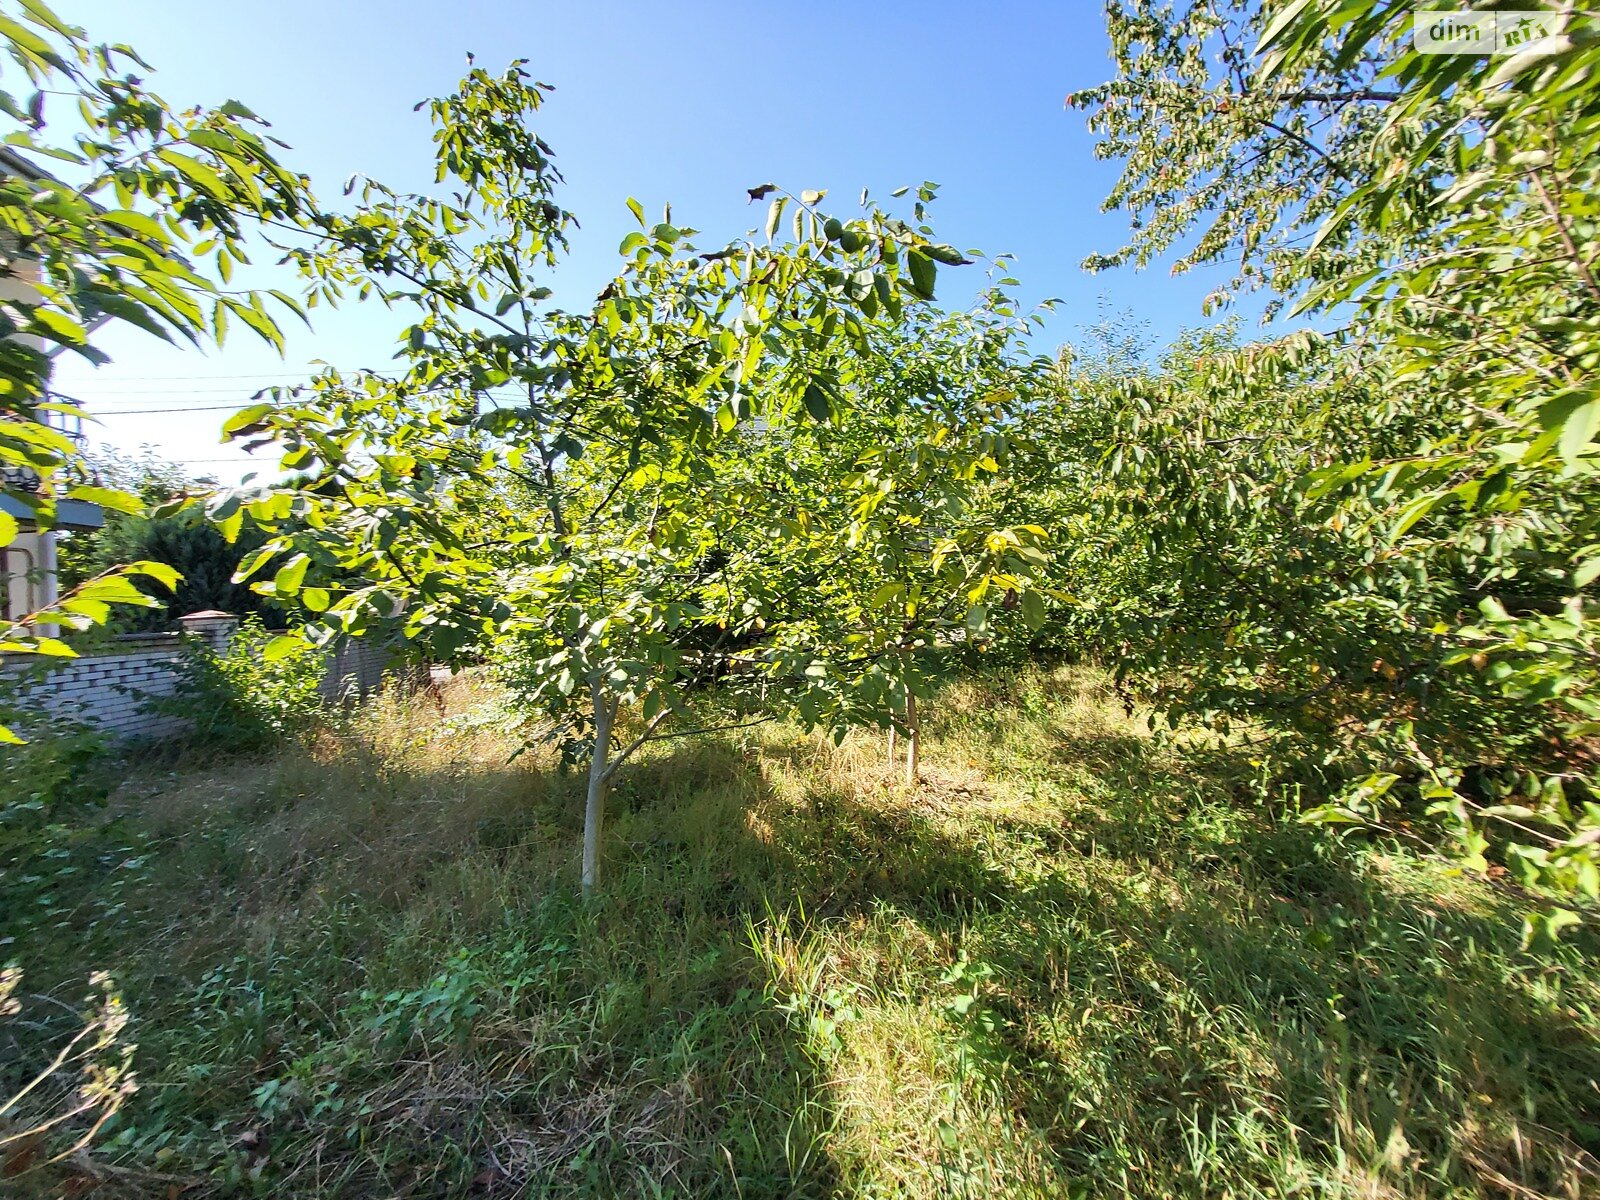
column 594, row 808
column 913, row 739
column 891, row 744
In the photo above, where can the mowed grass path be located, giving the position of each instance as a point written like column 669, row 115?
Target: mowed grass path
column 1073, row 962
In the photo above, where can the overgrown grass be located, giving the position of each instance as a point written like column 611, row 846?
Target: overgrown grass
column 1073, row 962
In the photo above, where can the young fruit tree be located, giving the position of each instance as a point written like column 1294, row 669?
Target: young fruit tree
column 607, row 493
column 902, row 524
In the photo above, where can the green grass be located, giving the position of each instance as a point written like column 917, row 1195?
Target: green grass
column 1073, row 962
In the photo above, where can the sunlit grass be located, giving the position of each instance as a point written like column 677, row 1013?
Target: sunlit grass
column 1073, row 961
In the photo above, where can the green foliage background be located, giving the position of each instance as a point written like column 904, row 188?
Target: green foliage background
column 1376, row 543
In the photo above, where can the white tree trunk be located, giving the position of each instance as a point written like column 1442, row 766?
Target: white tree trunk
column 913, row 739
column 594, row 808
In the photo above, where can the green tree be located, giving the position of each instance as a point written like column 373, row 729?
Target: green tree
column 204, row 560
column 1224, row 166
column 1440, row 211
column 183, row 540
column 594, row 485
column 905, row 546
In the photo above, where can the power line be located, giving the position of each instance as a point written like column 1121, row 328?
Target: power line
column 173, row 392
column 246, row 375
column 220, row 389
column 93, row 410
column 150, row 393
column 145, row 412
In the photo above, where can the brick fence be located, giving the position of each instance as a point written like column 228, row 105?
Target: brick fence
column 110, row 688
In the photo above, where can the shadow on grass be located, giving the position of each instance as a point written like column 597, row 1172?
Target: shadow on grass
column 1194, row 990
column 1209, row 991
column 373, row 977
column 362, row 977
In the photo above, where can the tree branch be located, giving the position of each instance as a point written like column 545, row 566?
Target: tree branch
column 623, row 755
column 1583, row 268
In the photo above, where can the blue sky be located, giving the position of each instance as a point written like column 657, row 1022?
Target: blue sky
column 685, row 103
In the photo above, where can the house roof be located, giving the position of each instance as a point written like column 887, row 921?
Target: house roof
column 70, row 514
column 12, row 163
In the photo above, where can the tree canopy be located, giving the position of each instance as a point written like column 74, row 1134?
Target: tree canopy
column 780, row 463
column 1385, row 530
column 672, row 480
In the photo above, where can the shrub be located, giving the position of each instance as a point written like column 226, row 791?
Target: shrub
column 241, row 700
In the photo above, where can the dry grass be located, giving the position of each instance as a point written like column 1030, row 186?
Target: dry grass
column 1072, row 962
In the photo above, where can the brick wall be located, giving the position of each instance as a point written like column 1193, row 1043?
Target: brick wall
column 356, row 669
column 110, row 689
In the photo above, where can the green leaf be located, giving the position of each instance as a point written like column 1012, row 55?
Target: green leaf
column 196, row 172
column 1578, row 430
column 47, row 646
column 289, row 577
column 637, row 210
column 230, row 525
column 259, row 321
column 1414, row 512
column 163, row 573
column 254, row 561
column 136, row 222
column 247, row 420
column 113, row 589
column 978, row 618
column 117, row 501
column 26, row 39
column 817, row 403
column 44, row 15
column 1282, row 19
column 923, row 273
column 282, row 647
column 887, row 594
column 135, row 313
column 59, row 327
column 1033, row 611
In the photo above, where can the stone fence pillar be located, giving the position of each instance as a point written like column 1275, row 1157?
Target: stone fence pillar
column 214, row 628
